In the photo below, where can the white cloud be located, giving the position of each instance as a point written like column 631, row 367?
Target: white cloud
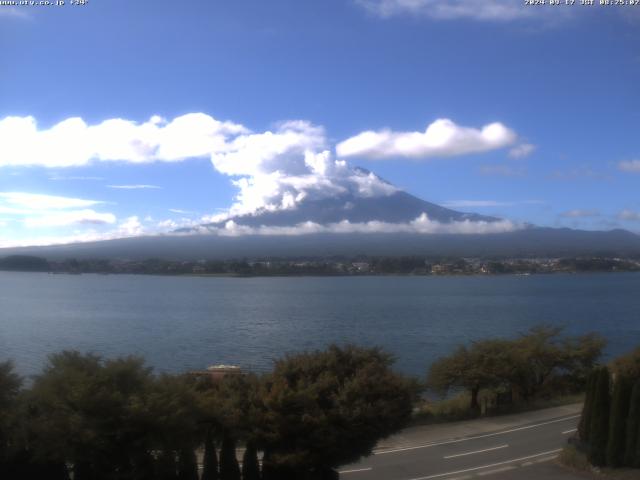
column 168, row 224
column 475, row 204
column 72, row 142
column 36, row 210
column 274, row 169
column 131, row 227
column 134, row 187
column 442, row 138
column 61, row 177
column 486, row 10
column 522, row 150
column 181, row 212
column 577, row 213
column 13, row 12
column 33, row 201
column 632, row 166
column 629, row 215
column 579, row 173
column 280, row 168
column 421, row 225
column 74, row 217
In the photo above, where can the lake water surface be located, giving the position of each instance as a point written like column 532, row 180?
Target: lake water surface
column 180, row 323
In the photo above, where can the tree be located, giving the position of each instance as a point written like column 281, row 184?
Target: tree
column 617, row 421
column 250, row 465
column 107, row 417
column 581, row 355
column 166, row 468
column 210, row 467
column 587, row 409
column 229, row 468
column 10, row 384
column 480, row 366
column 599, row 428
column 537, row 356
column 539, row 360
column 628, row 365
column 632, row 442
column 326, row 408
column 187, row 465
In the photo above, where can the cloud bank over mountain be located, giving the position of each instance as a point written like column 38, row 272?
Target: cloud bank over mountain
column 273, row 170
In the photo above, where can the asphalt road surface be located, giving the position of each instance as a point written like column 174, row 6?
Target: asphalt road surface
column 525, row 450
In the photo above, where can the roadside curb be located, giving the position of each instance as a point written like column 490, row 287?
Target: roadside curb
column 426, row 435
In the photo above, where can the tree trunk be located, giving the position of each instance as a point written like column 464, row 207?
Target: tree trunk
column 210, row 467
column 475, row 405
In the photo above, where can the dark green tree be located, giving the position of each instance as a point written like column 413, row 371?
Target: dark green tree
column 210, row 467
column 187, row 464
column 250, row 465
column 628, row 364
column 482, row 365
column 632, row 442
column 617, row 421
column 587, row 409
column 636, row 460
column 229, row 468
column 327, row 408
column 10, row 384
column 599, row 428
column 166, row 466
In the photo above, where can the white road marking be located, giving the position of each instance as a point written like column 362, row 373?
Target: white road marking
column 466, row 439
column 477, row 451
column 545, row 459
column 570, row 431
column 438, row 475
column 496, row 470
column 355, row 470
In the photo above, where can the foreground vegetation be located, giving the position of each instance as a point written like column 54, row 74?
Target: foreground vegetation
column 537, row 365
column 609, row 429
column 114, row 419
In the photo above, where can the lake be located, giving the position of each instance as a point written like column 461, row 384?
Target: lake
column 181, row 323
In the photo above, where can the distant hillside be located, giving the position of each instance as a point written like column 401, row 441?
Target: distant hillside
column 529, row 242
column 23, row 263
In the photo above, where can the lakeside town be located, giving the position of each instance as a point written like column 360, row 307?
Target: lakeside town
column 414, row 265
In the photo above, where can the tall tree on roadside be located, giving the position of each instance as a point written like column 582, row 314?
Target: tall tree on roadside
column 166, row 467
column 187, row 464
column 229, row 468
column 250, row 465
column 587, row 409
column 599, row 428
column 617, row 421
column 632, row 442
column 210, row 461
column 10, row 384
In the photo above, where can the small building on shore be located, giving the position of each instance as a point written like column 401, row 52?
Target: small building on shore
column 218, row 372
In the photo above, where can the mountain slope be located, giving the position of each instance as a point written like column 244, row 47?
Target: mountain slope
column 399, row 207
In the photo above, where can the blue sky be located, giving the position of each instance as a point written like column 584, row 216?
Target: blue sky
column 401, row 87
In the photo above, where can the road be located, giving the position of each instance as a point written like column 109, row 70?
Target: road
column 522, row 446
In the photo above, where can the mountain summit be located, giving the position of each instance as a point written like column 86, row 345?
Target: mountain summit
column 389, row 206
